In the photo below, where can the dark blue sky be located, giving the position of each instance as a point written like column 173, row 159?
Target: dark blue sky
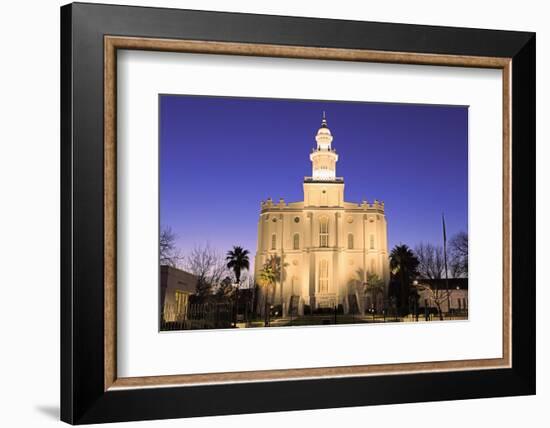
column 219, row 157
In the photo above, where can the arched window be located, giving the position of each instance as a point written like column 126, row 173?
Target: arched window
column 323, row 276
column 323, row 232
column 372, row 242
column 350, row 241
column 296, row 241
column 273, row 242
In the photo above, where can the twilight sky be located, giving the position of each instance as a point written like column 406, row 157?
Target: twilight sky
column 219, row 157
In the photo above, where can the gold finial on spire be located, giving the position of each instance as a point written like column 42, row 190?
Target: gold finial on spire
column 324, row 122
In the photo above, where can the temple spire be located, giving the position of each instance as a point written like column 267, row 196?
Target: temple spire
column 324, row 157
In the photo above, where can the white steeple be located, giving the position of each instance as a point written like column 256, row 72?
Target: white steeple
column 324, row 157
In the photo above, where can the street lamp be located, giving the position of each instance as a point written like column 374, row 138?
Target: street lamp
column 415, row 303
column 371, row 310
column 268, row 313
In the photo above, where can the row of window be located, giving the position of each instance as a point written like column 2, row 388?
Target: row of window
column 462, row 305
column 323, row 276
column 323, row 240
column 323, row 281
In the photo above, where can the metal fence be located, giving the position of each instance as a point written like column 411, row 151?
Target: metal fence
column 196, row 316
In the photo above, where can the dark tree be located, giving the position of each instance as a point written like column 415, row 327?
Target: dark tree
column 225, row 289
column 237, row 261
column 403, row 264
column 458, row 246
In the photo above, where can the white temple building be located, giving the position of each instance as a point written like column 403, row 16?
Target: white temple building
column 326, row 245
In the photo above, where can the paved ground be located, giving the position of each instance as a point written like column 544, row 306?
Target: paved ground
column 329, row 319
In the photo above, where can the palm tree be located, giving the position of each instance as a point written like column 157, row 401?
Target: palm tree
column 403, row 264
column 374, row 283
column 266, row 280
column 237, row 260
column 269, row 275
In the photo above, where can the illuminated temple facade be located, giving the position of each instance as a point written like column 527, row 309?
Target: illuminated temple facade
column 325, row 245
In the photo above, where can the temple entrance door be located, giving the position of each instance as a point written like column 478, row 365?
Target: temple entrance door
column 353, row 305
column 293, row 308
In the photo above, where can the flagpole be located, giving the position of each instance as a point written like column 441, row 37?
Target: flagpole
column 445, row 257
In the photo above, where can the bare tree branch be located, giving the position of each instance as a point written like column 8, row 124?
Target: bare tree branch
column 169, row 254
column 208, row 266
column 431, row 261
column 436, row 295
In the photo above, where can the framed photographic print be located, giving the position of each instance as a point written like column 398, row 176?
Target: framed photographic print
column 265, row 213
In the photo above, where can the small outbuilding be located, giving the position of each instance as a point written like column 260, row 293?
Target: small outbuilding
column 176, row 286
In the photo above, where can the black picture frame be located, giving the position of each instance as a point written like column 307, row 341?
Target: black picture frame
column 83, row 398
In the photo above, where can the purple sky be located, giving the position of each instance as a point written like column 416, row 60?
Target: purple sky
column 219, row 157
